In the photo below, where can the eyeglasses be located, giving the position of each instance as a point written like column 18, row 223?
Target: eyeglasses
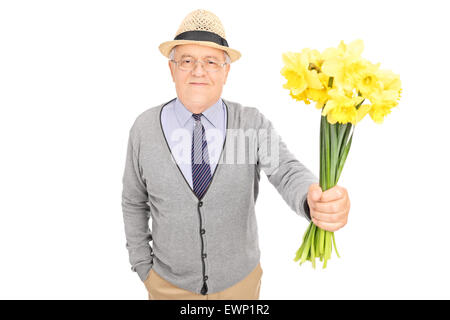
column 188, row 64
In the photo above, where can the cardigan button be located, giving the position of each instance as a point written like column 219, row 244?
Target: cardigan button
column 200, row 203
column 205, row 278
column 204, row 255
column 202, row 231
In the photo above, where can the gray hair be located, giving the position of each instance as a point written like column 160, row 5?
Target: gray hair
column 225, row 54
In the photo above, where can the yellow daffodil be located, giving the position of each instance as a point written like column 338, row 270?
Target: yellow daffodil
column 319, row 95
column 362, row 111
column 341, row 107
column 382, row 103
column 302, row 73
column 378, row 112
column 386, row 97
column 391, row 83
column 364, row 77
column 294, row 71
column 338, row 62
column 300, row 97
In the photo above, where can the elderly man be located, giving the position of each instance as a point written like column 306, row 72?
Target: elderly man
column 202, row 208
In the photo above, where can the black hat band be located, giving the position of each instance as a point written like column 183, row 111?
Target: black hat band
column 200, row 35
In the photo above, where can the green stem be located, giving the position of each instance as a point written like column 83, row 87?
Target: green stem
column 327, row 154
column 313, row 255
column 327, row 248
column 334, row 244
column 343, row 158
column 334, row 147
column 306, row 248
column 302, row 247
column 340, row 143
column 341, row 132
column 317, row 249
column 322, row 181
column 325, row 257
column 333, row 153
column 348, row 128
column 321, row 241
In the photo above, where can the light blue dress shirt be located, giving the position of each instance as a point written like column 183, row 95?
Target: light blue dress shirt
column 178, row 126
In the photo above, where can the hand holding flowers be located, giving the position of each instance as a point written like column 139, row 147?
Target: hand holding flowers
column 329, row 209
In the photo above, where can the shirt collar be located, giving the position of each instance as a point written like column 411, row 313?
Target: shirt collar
column 212, row 114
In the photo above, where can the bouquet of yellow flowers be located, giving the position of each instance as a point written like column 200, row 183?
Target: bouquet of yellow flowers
column 339, row 80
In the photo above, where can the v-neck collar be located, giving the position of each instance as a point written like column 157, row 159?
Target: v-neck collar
column 211, row 114
column 176, row 164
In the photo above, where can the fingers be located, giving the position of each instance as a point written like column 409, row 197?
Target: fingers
column 331, row 206
column 328, row 226
column 315, row 192
column 337, row 217
column 335, row 193
column 333, row 218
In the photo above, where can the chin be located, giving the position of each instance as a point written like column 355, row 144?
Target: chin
column 200, row 100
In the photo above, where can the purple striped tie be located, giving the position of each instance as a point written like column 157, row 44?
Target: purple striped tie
column 201, row 171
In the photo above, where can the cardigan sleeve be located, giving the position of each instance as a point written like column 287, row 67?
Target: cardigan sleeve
column 286, row 173
column 136, row 212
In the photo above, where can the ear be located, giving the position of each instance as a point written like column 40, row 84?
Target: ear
column 227, row 69
column 171, row 70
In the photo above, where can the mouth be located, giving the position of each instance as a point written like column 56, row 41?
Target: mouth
column 198, row 84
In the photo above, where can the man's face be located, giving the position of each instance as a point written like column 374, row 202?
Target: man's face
column 198, row 97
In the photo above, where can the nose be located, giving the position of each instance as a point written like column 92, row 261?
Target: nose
column 196, row 68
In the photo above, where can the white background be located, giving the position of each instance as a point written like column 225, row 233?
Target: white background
column 75, row 74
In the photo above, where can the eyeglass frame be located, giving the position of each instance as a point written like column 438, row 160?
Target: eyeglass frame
column 195, row 63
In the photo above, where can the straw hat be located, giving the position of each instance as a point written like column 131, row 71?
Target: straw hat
column 200, row 27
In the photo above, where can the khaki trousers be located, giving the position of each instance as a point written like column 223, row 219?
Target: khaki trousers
column 246, row 289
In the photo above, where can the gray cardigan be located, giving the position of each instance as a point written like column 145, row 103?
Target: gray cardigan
column 204, row 245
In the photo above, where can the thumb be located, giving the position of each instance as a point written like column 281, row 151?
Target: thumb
column 315, row 191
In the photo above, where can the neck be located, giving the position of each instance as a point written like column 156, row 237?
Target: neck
column 198, row 107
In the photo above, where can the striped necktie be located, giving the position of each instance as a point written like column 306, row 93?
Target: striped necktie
column 201, row 171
